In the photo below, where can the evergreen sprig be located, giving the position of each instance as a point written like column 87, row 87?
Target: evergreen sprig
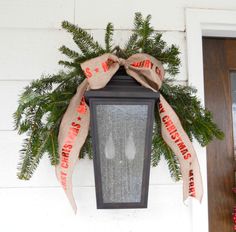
column 44, row 101
column 109, row 37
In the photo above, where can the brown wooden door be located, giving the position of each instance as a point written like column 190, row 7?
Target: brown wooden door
column 219, row 57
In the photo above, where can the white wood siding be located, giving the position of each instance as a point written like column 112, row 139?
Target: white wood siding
column 30, row 36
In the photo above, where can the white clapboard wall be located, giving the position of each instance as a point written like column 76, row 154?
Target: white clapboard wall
column 30, row 36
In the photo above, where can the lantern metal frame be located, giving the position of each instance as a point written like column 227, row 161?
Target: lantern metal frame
column 122, row 90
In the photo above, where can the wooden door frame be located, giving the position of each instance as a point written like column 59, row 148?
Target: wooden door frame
column 199, row 23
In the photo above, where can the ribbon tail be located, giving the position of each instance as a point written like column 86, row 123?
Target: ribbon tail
column 177, row 139
column 73, row 132
column 70, row 196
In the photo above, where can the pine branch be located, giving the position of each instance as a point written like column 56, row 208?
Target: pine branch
column 138, row 21
column 108, row 37
column 34, row 149
column 171, row 57
column 68, row 64
column 83, row 39
column 25, row 160
column 52, row 148
column 68, row 52
column 33, row 105
column 172, row 163
column 86, row 150
column 161, row 148
column 145, row 31
column 156, row 154
column 131, row 46
column 196, row 121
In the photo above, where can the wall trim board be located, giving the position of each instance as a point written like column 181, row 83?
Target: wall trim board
column 199, row 23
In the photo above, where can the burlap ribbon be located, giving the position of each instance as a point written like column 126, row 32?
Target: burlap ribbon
column 74, row 127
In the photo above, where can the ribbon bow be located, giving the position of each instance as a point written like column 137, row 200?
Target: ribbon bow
column 74, row 127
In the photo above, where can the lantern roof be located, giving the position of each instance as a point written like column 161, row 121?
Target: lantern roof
column 122, row 85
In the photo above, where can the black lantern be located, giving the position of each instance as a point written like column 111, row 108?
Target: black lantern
column 122, row 115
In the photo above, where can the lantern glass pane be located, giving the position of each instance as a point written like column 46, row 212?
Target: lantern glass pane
column 121, row 145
